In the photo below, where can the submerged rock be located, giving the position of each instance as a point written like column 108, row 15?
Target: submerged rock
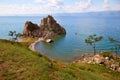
column 49, row 40
column 48, row 29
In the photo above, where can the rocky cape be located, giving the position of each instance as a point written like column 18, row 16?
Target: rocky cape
column 110, row 62
column 48, row 29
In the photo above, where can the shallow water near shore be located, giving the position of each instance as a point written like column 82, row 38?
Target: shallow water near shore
column 72, row 45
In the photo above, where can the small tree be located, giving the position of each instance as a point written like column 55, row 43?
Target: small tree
column 14, row 35
column 92, row 39
column 116, row 44
column 18, row 35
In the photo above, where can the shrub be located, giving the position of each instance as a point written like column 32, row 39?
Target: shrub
column 107, row 54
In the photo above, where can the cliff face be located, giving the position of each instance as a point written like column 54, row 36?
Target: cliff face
column 31, row 30
column 48, row 28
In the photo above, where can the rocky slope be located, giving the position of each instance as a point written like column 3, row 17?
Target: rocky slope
column 111, row 63
column 48, row 29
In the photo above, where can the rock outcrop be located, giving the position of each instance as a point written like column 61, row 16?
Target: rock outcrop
column 31, row 30
column 48, row 29
column 111, row 63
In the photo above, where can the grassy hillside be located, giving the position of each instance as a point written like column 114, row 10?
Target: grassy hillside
column 17, row 62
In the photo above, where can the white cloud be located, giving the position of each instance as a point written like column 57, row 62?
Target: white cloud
column 116, row 7
column 51, row 6
column 46, row 6
column 24, row 9
column 39, row 1
column 55, row 6
column 106, row 5
column 57, row 2
column 81, row 6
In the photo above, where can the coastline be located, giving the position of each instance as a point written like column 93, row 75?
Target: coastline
column 111, row 62
column 33, row 45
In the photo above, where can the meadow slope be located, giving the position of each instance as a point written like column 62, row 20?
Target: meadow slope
column 18, row 62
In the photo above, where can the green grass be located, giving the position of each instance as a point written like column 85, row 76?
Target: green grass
column 17, row 62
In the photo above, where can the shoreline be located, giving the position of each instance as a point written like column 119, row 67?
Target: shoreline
column 99, row 59
column 79, row 58
column 33, row 45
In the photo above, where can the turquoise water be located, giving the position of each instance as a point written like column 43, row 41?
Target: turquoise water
column 11, row 23
column 72, row 45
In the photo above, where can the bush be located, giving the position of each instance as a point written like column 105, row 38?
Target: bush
column 107, row 54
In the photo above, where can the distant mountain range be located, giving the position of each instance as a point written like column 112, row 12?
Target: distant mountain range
column 85, row 14
column 92, row 14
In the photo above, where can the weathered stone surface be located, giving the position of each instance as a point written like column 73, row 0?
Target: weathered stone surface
column 31, row 30
column 118, row 69
column 48, row 29
column 112, row 64
column 49, row 40
column 98, row 59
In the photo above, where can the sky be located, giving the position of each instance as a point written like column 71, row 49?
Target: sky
column 21, row 7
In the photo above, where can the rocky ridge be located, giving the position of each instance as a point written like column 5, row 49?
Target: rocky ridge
column 48, row 29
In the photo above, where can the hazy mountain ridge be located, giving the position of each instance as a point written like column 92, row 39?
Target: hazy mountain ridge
column 92, row 14
column 85, row 14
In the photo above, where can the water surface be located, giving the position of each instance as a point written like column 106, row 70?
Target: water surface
column 71, row 45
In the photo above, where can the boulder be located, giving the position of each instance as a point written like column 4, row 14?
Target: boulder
column 118, row 69
column 49, row 40
column 98, row 59
column 41, row 39
column 106, row 58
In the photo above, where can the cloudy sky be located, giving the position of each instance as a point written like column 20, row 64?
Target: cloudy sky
column 17, row 7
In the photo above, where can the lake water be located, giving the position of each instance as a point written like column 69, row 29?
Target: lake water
column 72, row 45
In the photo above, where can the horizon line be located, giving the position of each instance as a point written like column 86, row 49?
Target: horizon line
column 58, row 13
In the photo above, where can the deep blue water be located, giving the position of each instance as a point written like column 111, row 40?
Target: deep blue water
column 70, row 46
